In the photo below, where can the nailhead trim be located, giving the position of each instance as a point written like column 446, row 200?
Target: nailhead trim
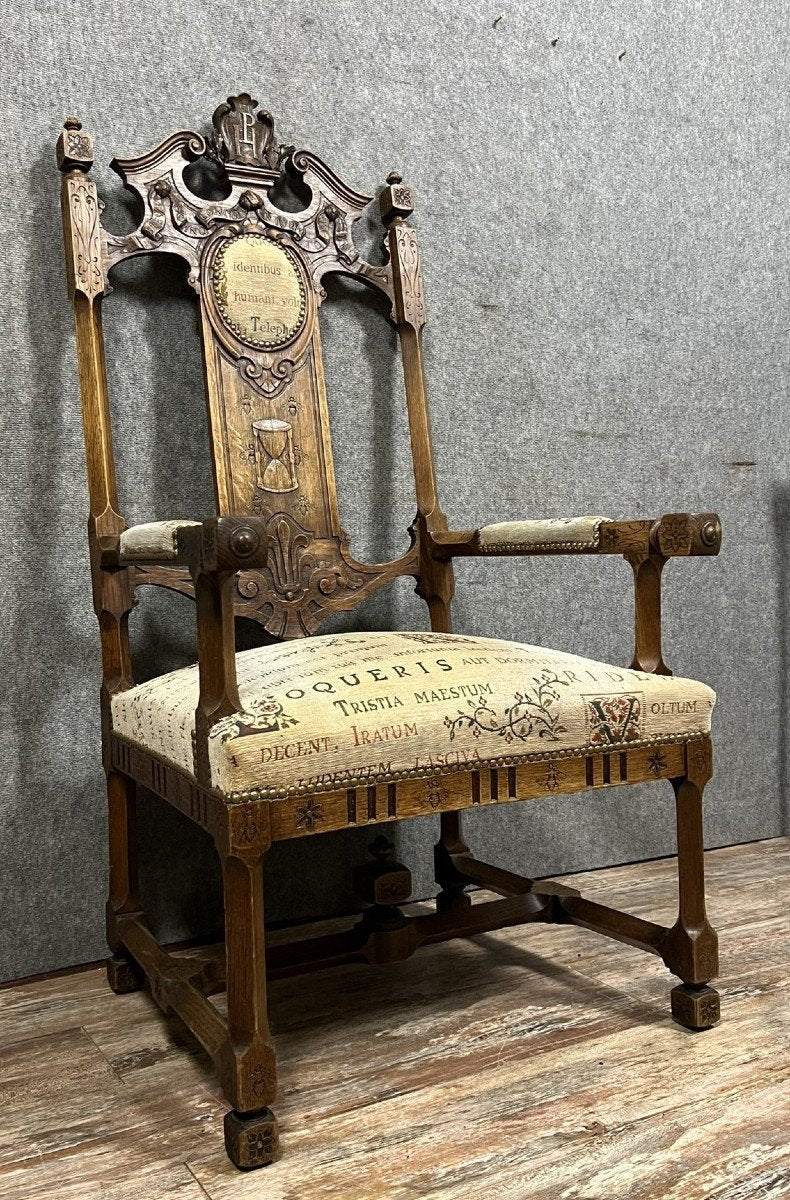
column 493, row 546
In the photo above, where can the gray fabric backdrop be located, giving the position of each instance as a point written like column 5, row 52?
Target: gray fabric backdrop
column 602, row 206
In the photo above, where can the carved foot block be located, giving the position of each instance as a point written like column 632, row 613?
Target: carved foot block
column 449, row 901
column 383, row 881
column 695, row 1007
column 251, row 1139
column 124, row 975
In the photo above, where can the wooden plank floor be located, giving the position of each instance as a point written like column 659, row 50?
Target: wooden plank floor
column 532, row 1064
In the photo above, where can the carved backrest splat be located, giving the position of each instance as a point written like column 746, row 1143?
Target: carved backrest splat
column 257, row 272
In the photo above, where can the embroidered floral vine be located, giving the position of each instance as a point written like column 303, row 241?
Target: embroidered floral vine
column 530, row 715
column 260, row 716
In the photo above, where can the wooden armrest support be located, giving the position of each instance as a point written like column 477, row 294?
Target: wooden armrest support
column 214, row 551
column 215, row 544
column 646, row 545
column 675, row 535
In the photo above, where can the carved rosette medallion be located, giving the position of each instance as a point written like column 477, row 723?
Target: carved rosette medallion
column 308, row 815
column 259, row 291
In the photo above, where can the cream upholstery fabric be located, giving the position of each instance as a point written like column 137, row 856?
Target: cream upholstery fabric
column 566, row 533
column 337, row 711
column 155, row 539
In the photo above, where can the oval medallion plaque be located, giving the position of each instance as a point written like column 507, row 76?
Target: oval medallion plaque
column 259, row 291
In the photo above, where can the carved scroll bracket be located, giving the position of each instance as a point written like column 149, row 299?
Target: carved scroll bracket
column 323, row 228
column 175, row 219
column 306, row 578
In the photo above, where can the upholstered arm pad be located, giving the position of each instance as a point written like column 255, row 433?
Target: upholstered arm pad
column 559, row 533
column 155, row 541
column 216, row 544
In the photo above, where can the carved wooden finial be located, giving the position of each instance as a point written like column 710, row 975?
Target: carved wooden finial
column 243, row 140
column 395, row 200
column 74, row 149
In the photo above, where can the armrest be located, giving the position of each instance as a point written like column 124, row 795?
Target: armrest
column 674, row 535
column 216, row 544
column 646, row 545
column 214, row 551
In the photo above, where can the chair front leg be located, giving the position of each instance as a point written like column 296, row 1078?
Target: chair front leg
column 247, row 1068
column 691, row 948
column 123, row 973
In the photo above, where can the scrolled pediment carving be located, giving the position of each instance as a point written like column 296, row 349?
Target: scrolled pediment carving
column 242, row 143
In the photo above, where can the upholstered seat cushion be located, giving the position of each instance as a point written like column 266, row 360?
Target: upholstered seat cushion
column 359, row 708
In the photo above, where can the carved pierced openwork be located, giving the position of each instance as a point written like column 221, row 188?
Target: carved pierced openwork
column 257, row 272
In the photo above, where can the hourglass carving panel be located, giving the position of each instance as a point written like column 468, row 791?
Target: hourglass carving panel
column 272, row 447
column 274, row 455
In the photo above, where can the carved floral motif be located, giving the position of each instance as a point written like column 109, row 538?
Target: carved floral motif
column 79, row 145
column 623, row 536
column 297, row 581
column 309, row 814
column 675, row 534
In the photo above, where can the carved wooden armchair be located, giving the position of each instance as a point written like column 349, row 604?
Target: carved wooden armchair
column 320, row 733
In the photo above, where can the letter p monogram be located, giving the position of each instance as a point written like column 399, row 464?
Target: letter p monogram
column 245, row 135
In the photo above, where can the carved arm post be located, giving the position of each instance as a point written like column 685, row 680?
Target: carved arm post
column 214, row 551
column 647, row 547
